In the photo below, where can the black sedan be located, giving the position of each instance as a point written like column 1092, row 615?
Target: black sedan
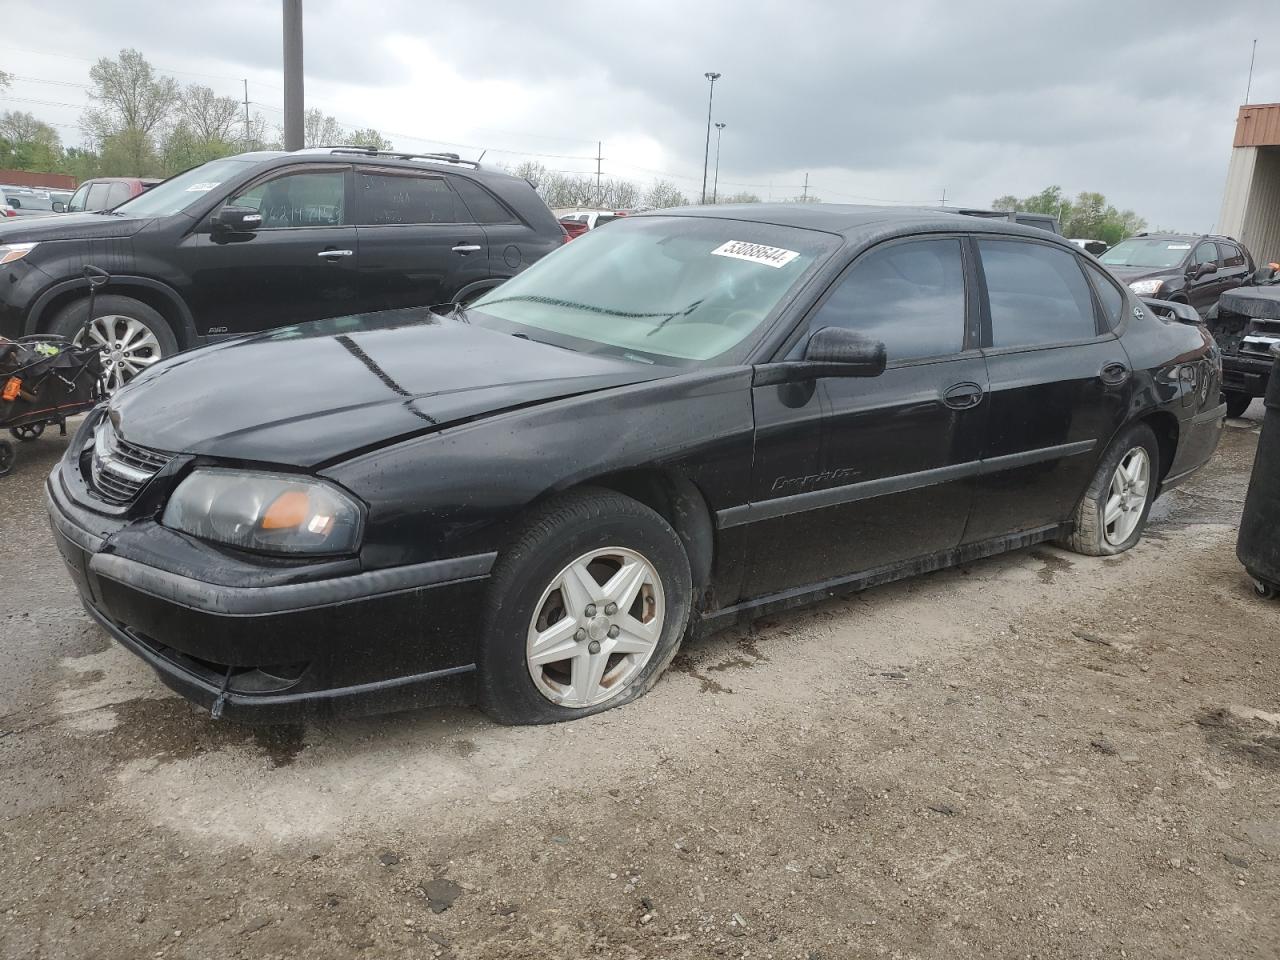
column 680, row 422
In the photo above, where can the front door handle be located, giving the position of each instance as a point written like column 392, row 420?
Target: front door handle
column 336, row 253
column 1114, row 374
column 465, row 248
column 963, row 396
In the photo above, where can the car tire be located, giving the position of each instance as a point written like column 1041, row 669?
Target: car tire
column 1095, row 535
column 1237, row 403
column 536, row 588
column 142, row 335
column 7, row 456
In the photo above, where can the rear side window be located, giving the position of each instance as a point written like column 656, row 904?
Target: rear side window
column 1037, row 294
column 387, row 198
column 1112, row 299
column 1232, row 256
column 98, row 196
column 910, row 296
column 484, row 206
column 117, row 194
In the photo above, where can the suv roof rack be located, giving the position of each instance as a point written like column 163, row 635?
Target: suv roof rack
column 399, row 155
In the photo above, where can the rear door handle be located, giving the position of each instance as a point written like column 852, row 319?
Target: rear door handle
column 465, row 248
column 963, row 396
column 336, row 253
column 1114, row 374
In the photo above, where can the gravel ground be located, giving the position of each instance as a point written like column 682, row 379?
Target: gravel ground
column 1038, row 755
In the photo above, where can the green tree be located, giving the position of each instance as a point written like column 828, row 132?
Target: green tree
column 742, row 196
column 131, row 106
column 27, row 143
column 664, row 193
column 81, row 163
column 1087, row 217
column 319, row 129
column 369, row 137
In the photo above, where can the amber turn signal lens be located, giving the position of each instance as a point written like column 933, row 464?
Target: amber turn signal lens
column 12, row 387
column 288, row 511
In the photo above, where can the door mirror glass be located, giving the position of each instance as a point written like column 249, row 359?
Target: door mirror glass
column 59, row 207
column 232, row 219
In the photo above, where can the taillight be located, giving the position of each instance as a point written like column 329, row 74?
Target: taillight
column 564, row 235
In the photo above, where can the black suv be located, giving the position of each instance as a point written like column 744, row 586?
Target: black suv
column 1185, row 268
column 268, row 239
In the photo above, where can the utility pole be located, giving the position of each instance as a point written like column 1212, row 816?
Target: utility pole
column 715, row 185
column 706, row 152
column 599, row 159
column 804, row 197
column 293, row 108
column 246, row 113
column 944, row 196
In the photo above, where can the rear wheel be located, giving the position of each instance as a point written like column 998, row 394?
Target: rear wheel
column 585, row 610
column 1113, row 511
column 131, row 334
column 28, row 431
column 1237, row 403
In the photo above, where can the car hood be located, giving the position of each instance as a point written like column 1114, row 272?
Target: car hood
column 1129, row 274
column 69, row 226
column 311, row 394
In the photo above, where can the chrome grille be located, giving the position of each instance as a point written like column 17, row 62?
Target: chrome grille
column 118, row 470
column 1260, row 338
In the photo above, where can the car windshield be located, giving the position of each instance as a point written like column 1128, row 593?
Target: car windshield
column 1147, row 252
column 658, row 289
column 178, row 193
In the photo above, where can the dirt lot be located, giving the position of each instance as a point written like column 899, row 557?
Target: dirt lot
column 1039, row 755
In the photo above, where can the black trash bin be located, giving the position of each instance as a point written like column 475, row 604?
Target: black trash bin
column 1259, row 545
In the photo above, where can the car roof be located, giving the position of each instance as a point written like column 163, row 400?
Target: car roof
column 855, row 222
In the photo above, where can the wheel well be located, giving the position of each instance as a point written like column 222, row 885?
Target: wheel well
column 1165, row 426
column 678, row 501
column 153, row 298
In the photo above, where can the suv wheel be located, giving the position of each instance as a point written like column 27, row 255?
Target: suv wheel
column 132, row 335
column 586, row 609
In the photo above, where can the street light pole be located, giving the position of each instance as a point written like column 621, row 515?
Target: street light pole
column 293, row 109
column 706, row 153
column 715, row 184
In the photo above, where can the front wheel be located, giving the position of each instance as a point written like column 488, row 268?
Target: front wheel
column 131, row 334
column 585, row 610
column 1237, row 403
column 1114, row 509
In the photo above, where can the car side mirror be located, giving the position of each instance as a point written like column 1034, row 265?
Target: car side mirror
column 59, row 207
column 1204, row 269
column 830, row 352
column 231, row 219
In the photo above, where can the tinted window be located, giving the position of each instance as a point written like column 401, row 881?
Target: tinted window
column 1037, row 294
column 387, row 198
column 484, row 206
column 1206, row 252
column 302, row 199
column 1231, row 255
column 117, row 194
column 97, row 196
column 1109, row 296
column 908, row 295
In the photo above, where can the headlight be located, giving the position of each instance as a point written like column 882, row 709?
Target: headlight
column 1146, row 288
column 10, row 252
column 266, row 512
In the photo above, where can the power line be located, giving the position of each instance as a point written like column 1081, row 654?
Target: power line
column 163, row 69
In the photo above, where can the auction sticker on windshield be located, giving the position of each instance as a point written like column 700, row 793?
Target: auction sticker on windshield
column 201, row 187
column 755, row 253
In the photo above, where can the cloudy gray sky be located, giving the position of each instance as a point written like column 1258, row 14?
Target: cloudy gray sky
column 875, row 101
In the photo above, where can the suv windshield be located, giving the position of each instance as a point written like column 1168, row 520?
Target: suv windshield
column 658, row 289
column 178, row 193
column 1147, row 252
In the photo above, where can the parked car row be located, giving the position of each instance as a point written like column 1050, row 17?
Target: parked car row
column 31, row 201
column 264, row 240
column 682, row 421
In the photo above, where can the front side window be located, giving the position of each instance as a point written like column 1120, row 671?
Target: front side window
column 1037, row 294
column 659, row 289
column 1109, row 296
column 117, row 194
column 305, row 198
column 910, row 296
column 78, row 200
column 1206, row 252
column 388, row 198
column 98, row 196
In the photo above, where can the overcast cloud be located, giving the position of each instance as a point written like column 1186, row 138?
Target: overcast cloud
column 886, row 101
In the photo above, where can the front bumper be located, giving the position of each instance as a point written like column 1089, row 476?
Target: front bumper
column 1245, row 375
column 357, row 643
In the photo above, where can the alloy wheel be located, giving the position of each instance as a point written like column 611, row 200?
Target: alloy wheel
column 1127, row 496
column 129, row 346
column 595, row 627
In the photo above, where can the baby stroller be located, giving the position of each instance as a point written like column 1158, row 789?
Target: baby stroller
column 46, row 378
